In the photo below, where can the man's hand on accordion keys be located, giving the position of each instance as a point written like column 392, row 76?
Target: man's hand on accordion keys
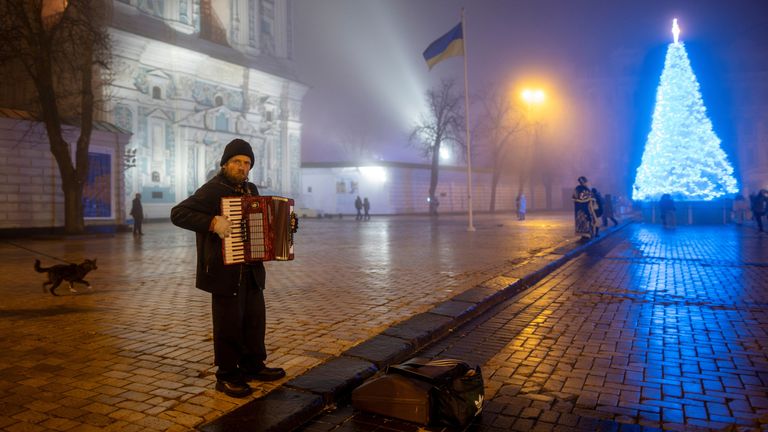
column 222, row 226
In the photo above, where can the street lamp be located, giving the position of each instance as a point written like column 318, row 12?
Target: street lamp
column 533, row 99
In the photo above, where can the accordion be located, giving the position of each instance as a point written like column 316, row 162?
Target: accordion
column 262, row 229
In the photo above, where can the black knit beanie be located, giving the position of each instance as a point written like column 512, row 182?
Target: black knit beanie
column 234, row 148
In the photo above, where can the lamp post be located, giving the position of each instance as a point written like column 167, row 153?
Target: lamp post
column 533, row 98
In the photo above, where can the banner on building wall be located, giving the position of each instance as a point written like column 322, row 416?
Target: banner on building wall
column 97, row 192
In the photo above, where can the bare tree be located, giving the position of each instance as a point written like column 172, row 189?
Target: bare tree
column 499, row 122
column 442, row 124
column 62, row 47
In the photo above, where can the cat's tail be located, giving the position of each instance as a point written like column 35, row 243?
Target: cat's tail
column 38, row 268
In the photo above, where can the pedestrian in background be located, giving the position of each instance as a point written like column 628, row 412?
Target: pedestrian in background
column 585, row 219
column 740, row 207
column 359, row 208
column 366, row 209
column 137, row 212
column 759, row 207
column 608, row 210
column 598, row 203
column 667, row 210
column 237, row 290
column 521, row 206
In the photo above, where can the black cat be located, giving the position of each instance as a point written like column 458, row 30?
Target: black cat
column 66, row 272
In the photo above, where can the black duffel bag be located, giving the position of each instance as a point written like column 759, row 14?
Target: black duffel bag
column 456, row 393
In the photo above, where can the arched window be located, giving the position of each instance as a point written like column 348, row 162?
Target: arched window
column 218, row 101
column 222, row 122
column 157, row 93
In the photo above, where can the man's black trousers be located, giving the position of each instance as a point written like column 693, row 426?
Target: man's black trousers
column 239, row 326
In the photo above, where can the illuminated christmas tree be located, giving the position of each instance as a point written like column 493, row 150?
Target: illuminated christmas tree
column 682, row 155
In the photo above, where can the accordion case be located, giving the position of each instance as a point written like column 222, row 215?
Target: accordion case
column 394, row 395
column 423, row 391
column 262, row 229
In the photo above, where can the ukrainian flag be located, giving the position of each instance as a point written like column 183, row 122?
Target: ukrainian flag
column 449, row 45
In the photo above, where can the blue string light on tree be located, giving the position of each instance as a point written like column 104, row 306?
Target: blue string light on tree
column 682, row 155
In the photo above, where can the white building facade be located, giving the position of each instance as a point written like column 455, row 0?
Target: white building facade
column 191, row 75
column 330, row 188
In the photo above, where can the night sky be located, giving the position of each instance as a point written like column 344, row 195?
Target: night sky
column 367, row 78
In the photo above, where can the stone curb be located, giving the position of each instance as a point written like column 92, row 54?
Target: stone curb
column 304, row 397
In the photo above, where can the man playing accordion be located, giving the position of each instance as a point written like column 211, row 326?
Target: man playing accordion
column 239, row 312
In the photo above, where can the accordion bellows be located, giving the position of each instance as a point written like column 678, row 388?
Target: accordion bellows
column 262, row 229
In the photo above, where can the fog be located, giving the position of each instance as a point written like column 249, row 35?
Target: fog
column 362, row 60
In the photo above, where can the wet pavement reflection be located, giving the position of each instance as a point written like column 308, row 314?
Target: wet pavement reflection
column 650, row 329
column 135, row 352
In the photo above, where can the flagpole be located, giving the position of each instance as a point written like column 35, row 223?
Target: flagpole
column 470, row 226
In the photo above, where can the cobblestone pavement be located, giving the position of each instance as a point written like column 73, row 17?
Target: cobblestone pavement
column 135, row 352
column 649, row 329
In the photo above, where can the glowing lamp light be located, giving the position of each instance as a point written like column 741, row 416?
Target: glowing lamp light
column 534, row 96
column 445, row 154
column 374, row 173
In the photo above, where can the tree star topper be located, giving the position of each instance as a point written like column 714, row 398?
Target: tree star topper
column 675, row 30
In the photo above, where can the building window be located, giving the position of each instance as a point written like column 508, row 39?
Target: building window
column 155, row 176
column 157, row 144
column 157, row 93
column 268, row 116
column 124, row 117
column 341, row 187
column 309, row 189
column 267, row 20
column 222, row 122
column 152, row 7
column 218, row 101
column 253, row 10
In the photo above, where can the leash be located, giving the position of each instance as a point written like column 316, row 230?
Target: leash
column 37, row 252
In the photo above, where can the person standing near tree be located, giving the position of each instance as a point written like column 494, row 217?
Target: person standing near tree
column 137, row 211
column 521, row 206
column 584, row 210
column 667, row 209
column 740, row 207
column 237, row 290
column 760, row 207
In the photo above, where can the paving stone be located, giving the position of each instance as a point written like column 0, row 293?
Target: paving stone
column 382, row 350
column 478, row 294
column 421, row 329
column 456, row 309
column 333, row 377
column 281, row 410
